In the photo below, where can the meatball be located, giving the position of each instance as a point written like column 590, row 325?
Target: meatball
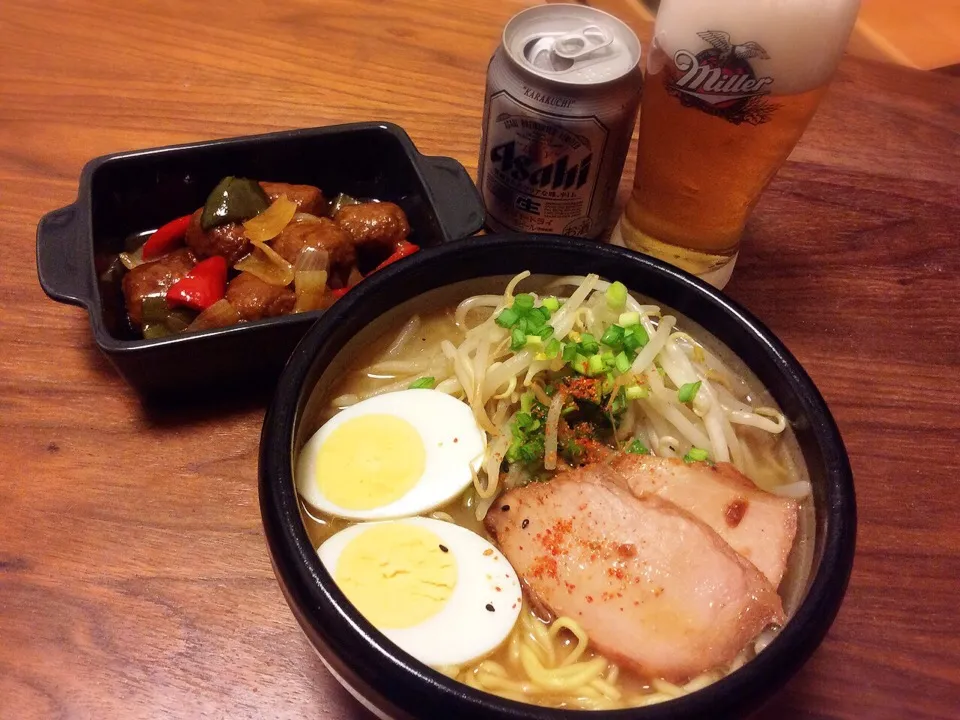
column 308, row 198
column 255, row 299
column 381, row 223
column 154, row 279
column 322, row 235
column 228, row 240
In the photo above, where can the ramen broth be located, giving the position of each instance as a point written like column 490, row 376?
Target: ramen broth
column 777, row 459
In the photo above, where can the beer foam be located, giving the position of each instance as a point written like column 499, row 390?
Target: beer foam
column 804, row 39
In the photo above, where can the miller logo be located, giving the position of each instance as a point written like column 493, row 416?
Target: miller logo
column 721, row 82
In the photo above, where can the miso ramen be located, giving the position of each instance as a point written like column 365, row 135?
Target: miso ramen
column 557, row 492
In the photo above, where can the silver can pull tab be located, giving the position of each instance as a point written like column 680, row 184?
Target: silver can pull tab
column 582, row 42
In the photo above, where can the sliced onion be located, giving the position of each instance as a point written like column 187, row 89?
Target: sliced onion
column 133, row 259
column 267, row 265
column 552, row 430
column 310, row 279
column 271, row 222
column 220, row 314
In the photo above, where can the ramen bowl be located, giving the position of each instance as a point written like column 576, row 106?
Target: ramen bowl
column 392, row 683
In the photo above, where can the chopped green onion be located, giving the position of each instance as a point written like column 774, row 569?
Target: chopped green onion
column 545, row 332
column 617, row 296
column 688, row 391
column 613, row 336
column 629, row 319
column 637, row 448
column 696, row 455
column 542, row 312
column 621, row 362
column 569, row 353
column 635, row 338
column 507, row 317
column 523, row 301
column 526, row 402
column 534, row 341
column 552, row 349
column 580, row 364
column 534, row 322
column 594, row 364
column 619, row 401
column 424, row 383
column 608, row 359
column 637, row 392
column 588, row 344
column 518, row 338
column 551, row 304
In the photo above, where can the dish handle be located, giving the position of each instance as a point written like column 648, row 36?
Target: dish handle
column 459, row 207
column 61, row 268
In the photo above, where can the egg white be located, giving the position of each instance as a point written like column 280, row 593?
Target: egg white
column 464, row 629
column 453, row 442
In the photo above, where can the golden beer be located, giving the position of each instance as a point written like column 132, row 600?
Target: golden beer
column 727, row 97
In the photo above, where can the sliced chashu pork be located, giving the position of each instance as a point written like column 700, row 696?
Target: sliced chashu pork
column 756, row 524
column 653, row 587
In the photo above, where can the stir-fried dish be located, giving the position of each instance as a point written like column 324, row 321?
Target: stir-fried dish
column 257, row 250
column 560, row 497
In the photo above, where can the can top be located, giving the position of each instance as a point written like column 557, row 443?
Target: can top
column 571, row 44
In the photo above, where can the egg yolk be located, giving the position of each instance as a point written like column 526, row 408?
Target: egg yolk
column 370, row 461
column 397, row 575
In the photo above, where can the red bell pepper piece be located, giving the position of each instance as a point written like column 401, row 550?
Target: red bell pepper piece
column 201, row 287
column 402, row 250
column 166, row 238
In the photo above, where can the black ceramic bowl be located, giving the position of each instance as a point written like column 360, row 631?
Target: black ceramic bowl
column 128, row 193
column 397, row 685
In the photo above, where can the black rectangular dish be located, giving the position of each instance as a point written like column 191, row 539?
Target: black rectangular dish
column 128, row 193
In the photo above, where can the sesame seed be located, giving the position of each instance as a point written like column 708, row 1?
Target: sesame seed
column 504, row 508
column 444, row 548
column 491, row 608
column 523, row 525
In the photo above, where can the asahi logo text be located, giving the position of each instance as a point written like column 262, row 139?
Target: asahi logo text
column 560, row 174
column 721, row 81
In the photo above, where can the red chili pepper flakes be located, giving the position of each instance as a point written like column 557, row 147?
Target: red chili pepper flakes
column 544, row 565
column 616, row 572
column 589, row 598
column 166, row 238
column 554, row 538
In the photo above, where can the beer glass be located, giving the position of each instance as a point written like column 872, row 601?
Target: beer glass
column 730, row 88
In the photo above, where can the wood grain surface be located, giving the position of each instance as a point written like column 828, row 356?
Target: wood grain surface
column 134, row 578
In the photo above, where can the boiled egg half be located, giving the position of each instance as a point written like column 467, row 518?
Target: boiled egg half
column 392, row 455
column 440, row 592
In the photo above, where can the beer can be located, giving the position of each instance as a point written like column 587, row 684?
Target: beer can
column 561, row 103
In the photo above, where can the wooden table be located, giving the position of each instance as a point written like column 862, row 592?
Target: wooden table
column 134, row 579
